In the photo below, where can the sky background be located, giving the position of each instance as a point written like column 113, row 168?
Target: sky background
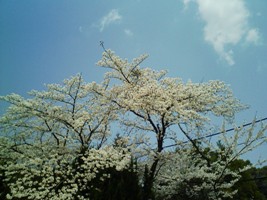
column 46, row 41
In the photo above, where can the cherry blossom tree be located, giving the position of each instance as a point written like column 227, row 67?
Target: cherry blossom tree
column 58, row 141
column 53, row 144
column 161, row 109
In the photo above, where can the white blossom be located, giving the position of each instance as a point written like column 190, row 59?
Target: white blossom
column 59, row 140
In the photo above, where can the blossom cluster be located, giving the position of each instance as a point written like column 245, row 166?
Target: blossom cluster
column 57, row 143
column 61, row 176
column 149, row 93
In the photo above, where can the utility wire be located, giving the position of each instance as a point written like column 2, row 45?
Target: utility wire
column 218, row 133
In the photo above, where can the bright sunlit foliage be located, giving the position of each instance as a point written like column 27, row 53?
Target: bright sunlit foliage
column 58, row 143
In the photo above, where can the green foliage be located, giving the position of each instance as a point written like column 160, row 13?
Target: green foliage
column 148, row 193
column 4, row 189
column 246, row 186
column 251, row 185
column 122, row 185
column 260, row 177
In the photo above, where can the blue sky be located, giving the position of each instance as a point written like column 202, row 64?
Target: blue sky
column 45, row 41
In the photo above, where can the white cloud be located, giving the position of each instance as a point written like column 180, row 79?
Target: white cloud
column 111, row 17
column 128, row 32
column 186, row 2
column 253, row 36
column 226, row 24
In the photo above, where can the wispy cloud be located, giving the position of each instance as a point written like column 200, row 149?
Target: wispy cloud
column 226, row 25
column 128, row 32
column 186, row 2
column 253, row 36
column 112, row 17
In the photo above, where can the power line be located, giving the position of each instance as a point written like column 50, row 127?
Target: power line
column 218, row 133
